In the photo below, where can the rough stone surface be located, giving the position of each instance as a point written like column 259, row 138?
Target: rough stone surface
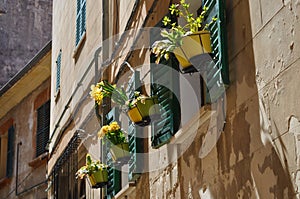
column 24, row 30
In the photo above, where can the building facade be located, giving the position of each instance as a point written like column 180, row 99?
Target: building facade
column 24, row 129
column 229, row 131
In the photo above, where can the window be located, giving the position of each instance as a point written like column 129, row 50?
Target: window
column 116, row 178
column 167, row 80
column 136, row 141
column 6, row 152
column 43, row 127
column 80, row 20
column 165, row 85
column 58, row 65
column 64, row 182
column 114, row 173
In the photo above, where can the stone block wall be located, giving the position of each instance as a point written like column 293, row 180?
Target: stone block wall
column 24, row 30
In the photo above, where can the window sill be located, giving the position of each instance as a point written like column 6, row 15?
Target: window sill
column 79, row 47
column 38, row 161
column 185, row 133
column 125, row 191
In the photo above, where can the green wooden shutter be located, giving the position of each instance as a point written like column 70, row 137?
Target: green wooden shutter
column 43, row 128
column 165, row 84
column 10, row 152
column 135, row 138
column 217, row 78
column 80, row 20
column 58, row 65
column 114, row 173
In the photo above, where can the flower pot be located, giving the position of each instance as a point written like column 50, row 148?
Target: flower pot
column 99, row 178
column 142, row 113
column 120, row 152
column 193, row 45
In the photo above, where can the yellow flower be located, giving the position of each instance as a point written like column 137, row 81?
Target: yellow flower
column 114, row 126
column 103, row 131
column 96, row 94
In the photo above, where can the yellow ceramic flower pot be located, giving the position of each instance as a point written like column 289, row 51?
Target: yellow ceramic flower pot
column 193, row 45
column 119, row 151
column 99, row 178
column 142, row 112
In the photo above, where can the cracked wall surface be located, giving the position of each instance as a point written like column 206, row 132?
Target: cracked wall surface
column 257, row 154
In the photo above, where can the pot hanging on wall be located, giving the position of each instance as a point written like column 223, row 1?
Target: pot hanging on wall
column 194, row 46
column 120, row 152
column 144, row 111
column 98, row 179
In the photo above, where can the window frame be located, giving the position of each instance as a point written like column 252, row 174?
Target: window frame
column 64, row 171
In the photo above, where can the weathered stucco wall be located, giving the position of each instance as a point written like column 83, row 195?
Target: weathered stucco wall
column 24, row 30
column 24, row 121
column 257, row 154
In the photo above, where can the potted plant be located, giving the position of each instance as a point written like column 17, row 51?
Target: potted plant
column 186, row 42
column 95, row 171
column 119, row 147
column 141, row 109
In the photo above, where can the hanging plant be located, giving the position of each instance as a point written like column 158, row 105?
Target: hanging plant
column 140, row 108
column 95, row 171
column 186, row 42
column 119, row 147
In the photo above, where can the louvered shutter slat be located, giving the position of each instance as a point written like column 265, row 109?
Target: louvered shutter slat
column 10, row 152
column 43, row 127
column 136, row 142
column 114, row 174
column 80, row 20
column 217, row 82
column 58, row 66
column 165, row 82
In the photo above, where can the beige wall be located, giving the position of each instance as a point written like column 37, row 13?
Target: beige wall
column 257, row 153
column 31, row 170
column 74, row 63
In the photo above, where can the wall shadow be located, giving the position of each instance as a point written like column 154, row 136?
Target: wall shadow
column 241, row 165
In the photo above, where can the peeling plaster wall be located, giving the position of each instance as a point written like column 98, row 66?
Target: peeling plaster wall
column 257, row 154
